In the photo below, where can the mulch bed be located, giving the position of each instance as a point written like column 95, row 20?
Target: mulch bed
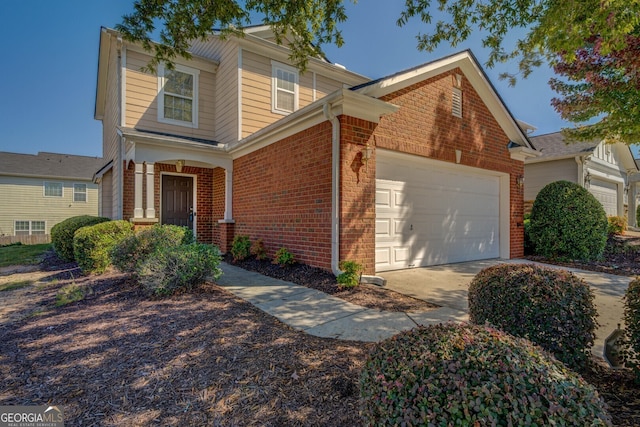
column 202, row 358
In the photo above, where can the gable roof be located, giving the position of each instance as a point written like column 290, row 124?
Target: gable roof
column 49, row 165
column 472, row 70
column 553, row 146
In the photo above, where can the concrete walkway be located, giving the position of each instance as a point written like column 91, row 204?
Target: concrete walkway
column 326, row 316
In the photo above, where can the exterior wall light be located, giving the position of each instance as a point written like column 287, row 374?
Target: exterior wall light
column 520, row 181
column 587, row 180
column 366, row 153
column 179, row 166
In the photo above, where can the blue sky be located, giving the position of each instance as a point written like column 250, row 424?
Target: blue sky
column 50, row 52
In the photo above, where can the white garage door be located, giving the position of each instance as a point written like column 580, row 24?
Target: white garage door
column 607, row 193
column 429, row 215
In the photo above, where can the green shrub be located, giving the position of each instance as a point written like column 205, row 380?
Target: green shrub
column 567, row 222
column 69, row 294
column 529, row 249
column 133, row 250
column 631, row 353
column 350, row 276
column 92, row 245
column 62, row 234
column 176, row 268
column 469, row 375
column 240, row 248
column 617, row 225
column 283, row 257
column 553, row 308
column 258, row 250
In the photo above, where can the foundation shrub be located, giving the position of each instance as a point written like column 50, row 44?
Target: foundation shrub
column 568, row 222
column 240, row 247
column 471, row 375
column 92, row 245
column 631, row 352
column 617, row 225
column 132, row 251
column 283, row 257
column 553, row 308
column 62, row 234
column 179, row 268
column 350, row 276
column 258, row 250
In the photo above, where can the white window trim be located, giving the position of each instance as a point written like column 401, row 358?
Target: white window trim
column 30, row 226
column 275, row 66
column 194, row 107
column 44, row 189
column 86, row 192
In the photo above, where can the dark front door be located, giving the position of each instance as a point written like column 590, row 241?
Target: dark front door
column 177, row 200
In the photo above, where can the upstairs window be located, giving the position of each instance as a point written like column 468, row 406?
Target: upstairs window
column 79, row 192
column 284, row 88
column 52, row 189
column 178, row 96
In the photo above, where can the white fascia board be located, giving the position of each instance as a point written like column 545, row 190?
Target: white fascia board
column 102, row 75
column 164, row 140
column 281, row 53
column 471, row 69
column 543, row 159
column 626, row 156
column 523, row 153
column 342, row 102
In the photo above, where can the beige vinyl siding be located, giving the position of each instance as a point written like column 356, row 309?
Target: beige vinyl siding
column 110, row 123
column 23, row 200
column 226, row 100
column 142, row 101
column 537, row 175
column 105, row 201
column 325, row 86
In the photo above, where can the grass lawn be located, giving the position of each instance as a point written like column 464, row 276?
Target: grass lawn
column 22, row 254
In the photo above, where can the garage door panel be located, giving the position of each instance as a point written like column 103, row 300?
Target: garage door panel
column 607, row 194
column 437, row 214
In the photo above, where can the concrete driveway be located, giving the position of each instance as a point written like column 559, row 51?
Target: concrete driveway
column 447, row 285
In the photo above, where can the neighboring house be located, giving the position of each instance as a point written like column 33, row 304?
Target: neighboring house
column 603, row 169
column 419, row 168
column 39, row 191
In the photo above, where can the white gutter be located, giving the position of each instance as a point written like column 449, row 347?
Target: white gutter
column 335, row 188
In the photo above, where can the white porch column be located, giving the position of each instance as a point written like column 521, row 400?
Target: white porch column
column 151, row 211
column 631, row 197
column 137, row 192
column 228, row 195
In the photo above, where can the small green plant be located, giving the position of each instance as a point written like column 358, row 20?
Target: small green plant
column 179, row 268
column 568, row 223
column 472, row 375
column 258, row 250
column 93, row 245
column 617, row 225
column 283, row 257
column 12, row 286
column 350, row 276
column 553, row 308
column 62, row 234
column 240, row 247
column 69, row 294
column 631, row 351
column 128, row 254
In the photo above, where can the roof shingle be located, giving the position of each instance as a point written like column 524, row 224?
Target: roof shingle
column 49, row 165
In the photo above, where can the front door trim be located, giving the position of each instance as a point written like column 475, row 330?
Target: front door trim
column 194, row 196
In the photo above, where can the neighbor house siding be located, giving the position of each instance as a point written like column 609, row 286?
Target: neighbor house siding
column 23, row 200
column 142, row 100
column 538, row 175
column 282, row 194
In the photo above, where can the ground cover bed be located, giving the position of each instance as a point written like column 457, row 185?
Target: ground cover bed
column 204, row 358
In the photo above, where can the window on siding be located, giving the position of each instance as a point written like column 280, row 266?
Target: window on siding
column 53, row 189
column 178, row 101
column 285, row 88
column 25, row 228
column 456, row 102
column 79, row 192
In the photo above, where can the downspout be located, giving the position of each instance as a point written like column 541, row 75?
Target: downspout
column 580, row 162
column 335, row 188
column 335, row 199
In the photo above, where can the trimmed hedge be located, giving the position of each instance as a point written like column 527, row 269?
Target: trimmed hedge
column 631, row 354
column 551, row 307
column 92, row 245
column 179, row 268
column 617, row 225
column 130, row 253
column 568, row 222
column 468, row 375
column 62, row 234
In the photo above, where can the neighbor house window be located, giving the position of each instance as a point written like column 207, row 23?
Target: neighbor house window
column 456, row 102
column 79, row 192
column 53, row 189
column 284, row 88
column 178, row 96
column 27, row 228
